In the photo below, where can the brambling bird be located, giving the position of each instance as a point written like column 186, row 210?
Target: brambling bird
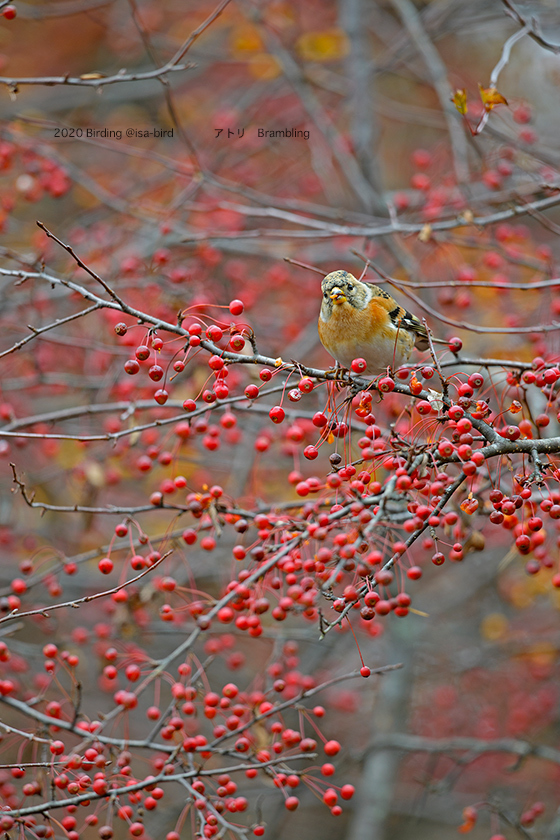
column 360, row 320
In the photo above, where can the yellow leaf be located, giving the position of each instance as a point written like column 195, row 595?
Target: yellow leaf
column 245, row 39
column 459, row 99
column 494, row 626
column 325, row 45
column 425, row 234
column 94, row 473
column 491, row 97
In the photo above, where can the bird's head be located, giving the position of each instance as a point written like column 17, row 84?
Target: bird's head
column 339, row 288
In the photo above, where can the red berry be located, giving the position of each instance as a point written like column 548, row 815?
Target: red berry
column 420, row 181
column 131, row 367
column 236, row 307
column 415, row 386
column 305, row 385
column 330, row 797
column 9, row 12
column 421, row 158
column 251, row 392
column 277, row 414
column 445, row 448
column 215, row 362
column 386, row 384
column 455, row 344
column 523, row 544
column 332, row 747
column 492, row 179
column 105, row 566
column 155, row 373
column 161, row 396
column 190, row 536
column 214, row 333
column 401, row 201
column 423, row 407
column 456, row 412
column 347, row 791
column 358, row 365
column 522, row 114
column 57, row 747
column 237, row 343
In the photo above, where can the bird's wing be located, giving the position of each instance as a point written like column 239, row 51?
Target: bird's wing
column 402, row 318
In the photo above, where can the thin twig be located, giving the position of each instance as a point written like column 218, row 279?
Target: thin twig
column 513, row 12
column 413, row 23
column 82, row 264
column 506, row 51
column 37, row 331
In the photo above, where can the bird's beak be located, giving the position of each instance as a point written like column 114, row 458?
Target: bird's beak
column 337, row 295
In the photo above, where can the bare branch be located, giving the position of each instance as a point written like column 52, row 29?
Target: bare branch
column 436, row 67
column 532, row 27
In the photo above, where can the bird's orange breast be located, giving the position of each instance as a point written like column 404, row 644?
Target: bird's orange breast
column 351, row 333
